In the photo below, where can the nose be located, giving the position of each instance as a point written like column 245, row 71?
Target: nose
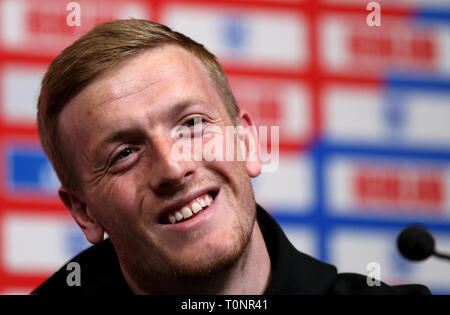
column 169, row 171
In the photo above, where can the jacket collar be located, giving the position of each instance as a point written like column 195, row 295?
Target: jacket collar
column 292, row 271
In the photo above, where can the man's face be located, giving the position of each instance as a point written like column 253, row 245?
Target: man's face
column 118, row 132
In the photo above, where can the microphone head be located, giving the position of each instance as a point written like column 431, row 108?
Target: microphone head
column 415, row 243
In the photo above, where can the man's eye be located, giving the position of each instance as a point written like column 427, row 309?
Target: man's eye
column 193, row 122
column 124, row 153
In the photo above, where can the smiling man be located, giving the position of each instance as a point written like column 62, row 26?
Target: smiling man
column 107, row 112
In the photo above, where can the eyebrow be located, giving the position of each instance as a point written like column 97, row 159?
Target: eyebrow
column 135, row 132
column 181, row 106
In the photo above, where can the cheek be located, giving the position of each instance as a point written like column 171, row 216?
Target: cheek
column 221, row 144
column 233, row 174
column 116, row 203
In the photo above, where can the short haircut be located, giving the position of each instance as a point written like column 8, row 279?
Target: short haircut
column 104, row 47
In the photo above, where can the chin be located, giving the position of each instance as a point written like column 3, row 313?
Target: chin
column 210, row 259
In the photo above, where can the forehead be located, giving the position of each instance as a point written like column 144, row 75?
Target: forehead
column 152, row 67
column 154, row 80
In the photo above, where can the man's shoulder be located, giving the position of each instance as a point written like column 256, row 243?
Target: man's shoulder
column 357, row 284
column 294, row 272
column 94, row 271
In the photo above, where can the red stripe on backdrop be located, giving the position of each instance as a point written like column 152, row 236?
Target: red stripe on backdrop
column 253, row 71
column 15, row 57
column 15, row 130
column 244, row 4
column 352, row 80
column 24, row 283
column 360, row 8
column 34, row 206
column 314, row 71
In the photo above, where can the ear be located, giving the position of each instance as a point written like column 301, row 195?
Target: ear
column 252, row 160
column 78, row 209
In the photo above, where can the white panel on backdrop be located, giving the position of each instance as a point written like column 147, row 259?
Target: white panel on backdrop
column 437, row 4
column 429, row 117
column 39, row 243
column 303, row 238
column 276, row 102
column 275, row 39
column 291, row 188
column 354, row 248
column 361, row 114
column 388, row 187
column 12, row 21
column 352, row 114
column 20, row 87
column 41, row 27
column 347, row 45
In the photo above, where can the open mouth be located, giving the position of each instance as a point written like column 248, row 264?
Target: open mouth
column 190, row 210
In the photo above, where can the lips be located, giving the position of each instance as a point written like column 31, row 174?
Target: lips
column 188, row 208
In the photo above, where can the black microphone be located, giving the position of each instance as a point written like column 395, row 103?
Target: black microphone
column 417, row 243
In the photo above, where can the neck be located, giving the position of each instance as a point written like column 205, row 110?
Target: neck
column 249, row 275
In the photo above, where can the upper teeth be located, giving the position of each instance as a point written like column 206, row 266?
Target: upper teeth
column 191, row 208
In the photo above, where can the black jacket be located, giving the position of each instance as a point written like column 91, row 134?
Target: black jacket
column 292, row 271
